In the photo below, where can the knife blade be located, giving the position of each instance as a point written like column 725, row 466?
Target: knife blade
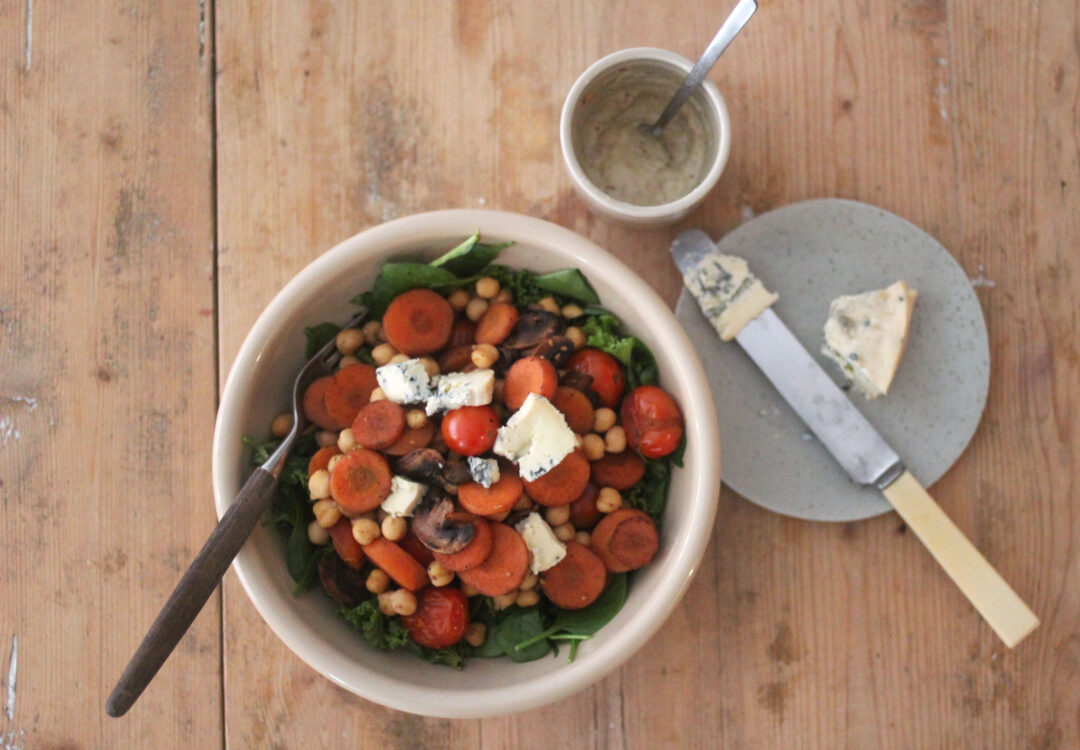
column 865, row 455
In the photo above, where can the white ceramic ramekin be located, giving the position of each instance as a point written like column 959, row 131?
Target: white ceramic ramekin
column 597, row 199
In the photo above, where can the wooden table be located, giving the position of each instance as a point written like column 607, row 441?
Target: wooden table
column 166, row 167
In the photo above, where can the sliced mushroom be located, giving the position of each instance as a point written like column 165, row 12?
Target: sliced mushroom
column 441, row 529
column 342, row 583
column 421, row 465
column 555, row 349
column 578, row 380
column 533, row 327
column 456, row 470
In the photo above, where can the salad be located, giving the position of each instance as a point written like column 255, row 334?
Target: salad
column 488, row 463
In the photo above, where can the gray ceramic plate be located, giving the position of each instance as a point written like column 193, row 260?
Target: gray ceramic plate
column 810, row 253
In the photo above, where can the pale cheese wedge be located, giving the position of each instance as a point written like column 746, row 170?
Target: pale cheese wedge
column 866, row 335
column 728, row 294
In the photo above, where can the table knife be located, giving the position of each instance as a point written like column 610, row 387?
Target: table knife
column 863, row 453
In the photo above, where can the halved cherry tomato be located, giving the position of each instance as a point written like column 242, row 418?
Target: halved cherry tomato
column 606, row 372
column 652, row 421
column 440, row 619
column 470, row 430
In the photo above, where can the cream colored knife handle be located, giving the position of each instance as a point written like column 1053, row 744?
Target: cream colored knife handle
column 1006, row 612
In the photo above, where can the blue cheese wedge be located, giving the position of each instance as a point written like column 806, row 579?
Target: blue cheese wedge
column 545, row 549
column 728, row 294
column 484, row 471
column 536, row 438
column 457, row 389
column 404, row 496
column 405, row 382
column 866, row 335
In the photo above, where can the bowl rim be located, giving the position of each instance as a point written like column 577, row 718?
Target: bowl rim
column 688, row 551
column 631, row 211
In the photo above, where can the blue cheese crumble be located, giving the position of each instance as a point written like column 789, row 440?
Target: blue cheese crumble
column 405, row 382
column 728, row 294
column 457, row 389
column 485, row 471
column 536, row 438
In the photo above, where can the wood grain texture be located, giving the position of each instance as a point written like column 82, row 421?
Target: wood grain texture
column 107, row 377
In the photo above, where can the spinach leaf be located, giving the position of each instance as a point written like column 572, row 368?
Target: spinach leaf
column 318, row 337
column 568, row 282
column 602, row 331
column 566, row 285
column 581, row 624
column 650, row 493
column 676, row 457
column 470, row 257
column 520, row 625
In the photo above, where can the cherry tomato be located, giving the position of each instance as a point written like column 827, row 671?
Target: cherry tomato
column 440, row 619
column 470, row 430
column 606, row 373
column 652, row 421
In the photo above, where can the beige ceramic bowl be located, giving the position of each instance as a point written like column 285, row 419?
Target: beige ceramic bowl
column 257, row 389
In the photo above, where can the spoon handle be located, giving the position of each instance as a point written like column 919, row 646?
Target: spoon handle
column 195, row 587
column 730, row 29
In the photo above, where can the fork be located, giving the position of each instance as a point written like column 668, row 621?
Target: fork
column 225, row 541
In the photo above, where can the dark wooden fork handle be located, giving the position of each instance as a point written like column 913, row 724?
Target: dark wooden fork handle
column 195, row 587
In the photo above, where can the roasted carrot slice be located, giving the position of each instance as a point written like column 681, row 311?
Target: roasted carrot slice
column 321, row 459
column 418, row 322
column 619, row 470
column 462, row 333
column 563, row 484
column 455, row 359
column 411, row 439
column 360, row 480
column 583, row 512
column 496, row 324
column 490, row 501
column 529, row 375
column 315, row 405
column 345, row 544
column 576, row 407
column 379, row 424
column 475, row 552
column 505, row 566
column 397, row 563
column 577, row 580
column 412, row 544
column 349, row 391
column 625, row 539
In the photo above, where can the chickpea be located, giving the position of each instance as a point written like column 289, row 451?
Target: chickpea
column 615, row 440
column 583, row 537
column 431, row 367
column 317, row 535
column 476, row 308
column 458, row 299
column 333, row 462
column 523, row 503
column 377, row 395
column 487, row 287
column 484, row 355
column 399, row 357
column 565, row 532
column 282, row 425
column 347, row 360
column 450, row 489
column 504, row 601
column 416, row 418
column 576, row 336
column 439, row 575
column 593, row 446
column 476, row 634
column 324, row 438
column 394, row 528
column 550, row 305
column 377, row 581
column 346, row 441
column 572, row 311
column 327, row 513
column 529, row 582
column 319, row 485
column 504, row 295
column 349, row 340
column 558, row 515
column 365, row 530
column 403, row 602
column 603, row 419
column 372, row 331
column 468, row 590
column 382, row 354
column 608, row 500
column 528, row 598
column 385, row 605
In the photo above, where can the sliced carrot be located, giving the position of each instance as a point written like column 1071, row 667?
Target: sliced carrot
column 475, row 552
column 397, row 563
column 625, row 539
column 462, row 333
column 563, row 484
column 349, row 391
column 505, row 566
column 529, row 375
column 379, row 424
column 576, row 407
column 577, row 580
column 619, row 470
column 490, row 501
column 321, row 459
column 583, row 512
column 418, row 322
column 345, row 544
column 412, row 544
column 496, row 324
column 411, row 439
column 315, row 405
column 360, row 480
column 455, row 359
